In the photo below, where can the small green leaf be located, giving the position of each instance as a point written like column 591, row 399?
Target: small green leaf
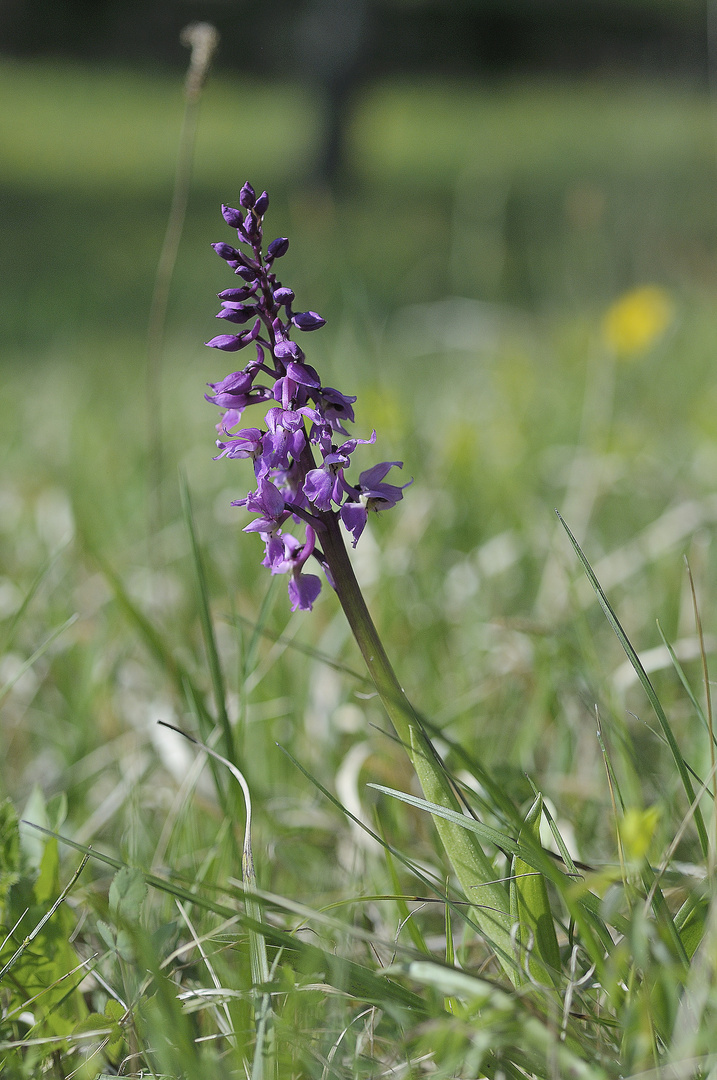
column 127, row 894
column 107, row 934
column 109, row 1031
column 125, row 945
column 94, row 1022
column 32, row 844
column 47, row 885
column 114, row 1011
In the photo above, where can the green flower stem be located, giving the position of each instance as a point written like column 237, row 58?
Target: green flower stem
column 472, row 867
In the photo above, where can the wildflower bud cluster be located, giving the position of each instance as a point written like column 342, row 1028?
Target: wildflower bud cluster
column 303, row 419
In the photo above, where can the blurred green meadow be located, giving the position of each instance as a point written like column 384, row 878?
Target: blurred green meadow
column 465, row 271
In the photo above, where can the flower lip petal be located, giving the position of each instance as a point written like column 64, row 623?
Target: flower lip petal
column 354, row 516
column 303, row 590
column 318, row 487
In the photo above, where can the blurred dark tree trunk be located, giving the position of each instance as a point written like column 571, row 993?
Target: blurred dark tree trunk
column 331, row 44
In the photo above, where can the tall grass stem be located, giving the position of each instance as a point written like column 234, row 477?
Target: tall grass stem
column 202, row 39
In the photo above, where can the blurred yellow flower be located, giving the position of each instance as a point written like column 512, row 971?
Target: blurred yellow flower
column 637, row 830
column 637, row 319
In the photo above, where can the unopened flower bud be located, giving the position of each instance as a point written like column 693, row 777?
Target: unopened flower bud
column 246, row 272
column 277, row 247
column 247, row 196
column 284, row 297
column 308, row 320
column 226, row 251
column 236, row 294
column 233, row 217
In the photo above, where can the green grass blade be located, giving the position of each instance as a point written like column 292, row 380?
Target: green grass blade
column 534, row 1046
column 205, row 618
column 646, row 684
column 501, row 803
column 683, row 679
column 557, row 837
column 663, row 914
column 149, row 634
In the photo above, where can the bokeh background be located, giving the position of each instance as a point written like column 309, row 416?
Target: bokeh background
column 470, row 187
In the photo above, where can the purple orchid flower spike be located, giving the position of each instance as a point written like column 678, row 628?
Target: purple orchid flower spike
column 300, row 471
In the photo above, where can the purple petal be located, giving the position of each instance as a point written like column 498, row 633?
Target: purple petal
column 373, row 476
column 236, row 383
column 318, row 486
column 274, row 553
column 261, row 205
column 354, row 516
column 271, row 498
column 247, row 272
column 303, row 591
column 236, row 313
